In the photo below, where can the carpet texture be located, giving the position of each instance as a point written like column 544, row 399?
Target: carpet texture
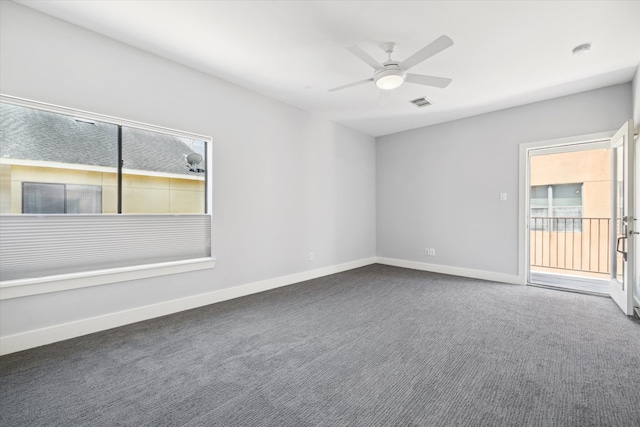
column 374, row 346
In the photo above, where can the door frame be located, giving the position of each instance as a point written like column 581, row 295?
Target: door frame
column 555, row 145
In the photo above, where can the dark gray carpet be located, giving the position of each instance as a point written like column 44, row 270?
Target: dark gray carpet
column 375, row 346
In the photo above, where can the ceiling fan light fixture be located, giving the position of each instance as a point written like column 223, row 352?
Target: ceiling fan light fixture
column 389, row 79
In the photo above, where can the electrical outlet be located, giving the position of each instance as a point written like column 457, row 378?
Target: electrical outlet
column 426, row 251
column 432, row 252
column 312, row 256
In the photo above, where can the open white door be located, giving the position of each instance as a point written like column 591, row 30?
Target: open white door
column 623, row 221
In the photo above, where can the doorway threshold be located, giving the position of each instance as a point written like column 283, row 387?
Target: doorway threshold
column 588, row 285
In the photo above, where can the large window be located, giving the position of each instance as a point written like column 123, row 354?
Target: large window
column 80, row 192
column 556, row 207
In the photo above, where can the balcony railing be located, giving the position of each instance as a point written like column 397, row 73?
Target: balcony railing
column 577, row 244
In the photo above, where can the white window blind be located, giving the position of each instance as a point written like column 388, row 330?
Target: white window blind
column 44, row 245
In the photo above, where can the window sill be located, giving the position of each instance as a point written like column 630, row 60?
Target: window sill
column 42, row 285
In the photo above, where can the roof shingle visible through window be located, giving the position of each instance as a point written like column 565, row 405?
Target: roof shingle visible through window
column 31, row 134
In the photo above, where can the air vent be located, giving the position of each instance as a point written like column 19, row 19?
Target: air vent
column 421, row 102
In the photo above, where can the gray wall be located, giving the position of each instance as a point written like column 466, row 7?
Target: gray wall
column 438, row 186
column 285, row 182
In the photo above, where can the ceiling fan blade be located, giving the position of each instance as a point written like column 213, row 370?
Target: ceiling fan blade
column 365, row 57
column 436, row 46
column 440, row 82
column 361, row 82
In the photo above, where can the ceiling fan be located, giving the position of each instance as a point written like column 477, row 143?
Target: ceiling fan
column 392, row 74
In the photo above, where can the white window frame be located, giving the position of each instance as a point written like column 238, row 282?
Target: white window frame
column 40, row 285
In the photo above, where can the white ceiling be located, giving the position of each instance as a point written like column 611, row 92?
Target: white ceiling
column 505, row 53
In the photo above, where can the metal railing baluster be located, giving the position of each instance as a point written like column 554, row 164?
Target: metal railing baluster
column 573, row 253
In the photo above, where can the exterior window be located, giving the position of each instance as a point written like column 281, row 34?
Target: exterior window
column 41, row 198
column 45, row 198
column 556, row 207
column 80, row 195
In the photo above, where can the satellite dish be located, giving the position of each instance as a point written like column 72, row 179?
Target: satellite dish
column 193, row 159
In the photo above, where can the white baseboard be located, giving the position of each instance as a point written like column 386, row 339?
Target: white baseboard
column 455, row 271
column 61, row 332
